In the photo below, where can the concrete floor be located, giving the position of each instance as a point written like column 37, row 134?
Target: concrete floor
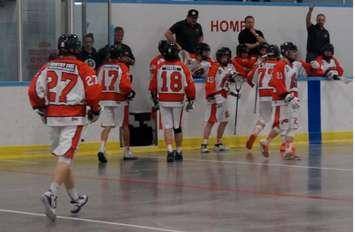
column 231, row 192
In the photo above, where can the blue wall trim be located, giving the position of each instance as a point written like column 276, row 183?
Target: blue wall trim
column 13, row 83
column 227, row 2
column 314, row 112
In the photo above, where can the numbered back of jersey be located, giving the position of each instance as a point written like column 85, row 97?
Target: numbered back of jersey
column 110, row 78
column 264, row 74
column 64, row 86
column 171, row 79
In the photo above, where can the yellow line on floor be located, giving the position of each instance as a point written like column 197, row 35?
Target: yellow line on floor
column 90, row 148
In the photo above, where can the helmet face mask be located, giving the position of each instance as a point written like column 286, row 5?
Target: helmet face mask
column 205, row 55
column 242, row 51
column 291, row 55
column 328, row 51
column 224, row 56
column 263, row 49
column 289, row 51
column 273, row 51
column 203, row 50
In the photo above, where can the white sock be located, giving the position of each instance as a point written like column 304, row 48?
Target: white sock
column 102, row 146
column 205, row 141
column 126, row 151
column 54, row 187
column 170, row 148
column 73, row 194
column 178, row 149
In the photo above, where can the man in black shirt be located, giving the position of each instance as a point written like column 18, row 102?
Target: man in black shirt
column 188, row 32
column 251, row 37
column 127, row 57
column 88, row 52
column 317, row 35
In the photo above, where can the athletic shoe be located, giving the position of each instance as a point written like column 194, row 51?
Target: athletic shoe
column 170, row 157
column 283, row 147
column 290, row 152
column 129, row 156
column 264, row 148
column 79, row 203
column 50, row 204
column 219, row 147
column 178, row 156
column 101, row 157
column 204, row 148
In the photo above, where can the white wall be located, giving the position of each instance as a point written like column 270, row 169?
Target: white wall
column 19, row 125
column 145, row 25
column 337, row 106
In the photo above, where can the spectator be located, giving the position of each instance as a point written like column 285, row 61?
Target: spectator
column 127, row 56
column 188, row 33
column 251, row 37
column 88, row 52
column 317, row 35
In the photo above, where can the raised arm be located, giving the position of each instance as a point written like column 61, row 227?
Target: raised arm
column 309, row 16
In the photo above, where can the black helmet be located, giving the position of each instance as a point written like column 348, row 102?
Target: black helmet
column 328, row 47
column 69, row 44
column 263, row 45
column 223, row 51
column 161, row 46
column 242, row 48
column 104, row 53
column 273, row 51
column 201, row 47
column 287, row 46
column 171, row 52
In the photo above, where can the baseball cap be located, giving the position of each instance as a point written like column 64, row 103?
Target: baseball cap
column 192, row 13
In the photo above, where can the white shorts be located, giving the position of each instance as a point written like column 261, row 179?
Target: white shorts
column 113, row 116
column 65, row 140
column 265, row 111
column 285, row 118
column 171, row 117
column 217, row 113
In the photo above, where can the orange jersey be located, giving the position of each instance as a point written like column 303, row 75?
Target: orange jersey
column 325, row 66
column 217, row 82
column 171, row 81
column 155, row 62
column 284, row 78
column 115, row 81
column 261, row 75
column 246, row 63
column 64, row 87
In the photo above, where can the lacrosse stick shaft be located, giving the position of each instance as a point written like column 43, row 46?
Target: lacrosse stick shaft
column 256, row 98
column 236, row 113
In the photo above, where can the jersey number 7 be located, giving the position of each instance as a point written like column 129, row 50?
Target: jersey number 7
column 59, row 95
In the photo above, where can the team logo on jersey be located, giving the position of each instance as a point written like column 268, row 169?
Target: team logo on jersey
column 91, row 62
